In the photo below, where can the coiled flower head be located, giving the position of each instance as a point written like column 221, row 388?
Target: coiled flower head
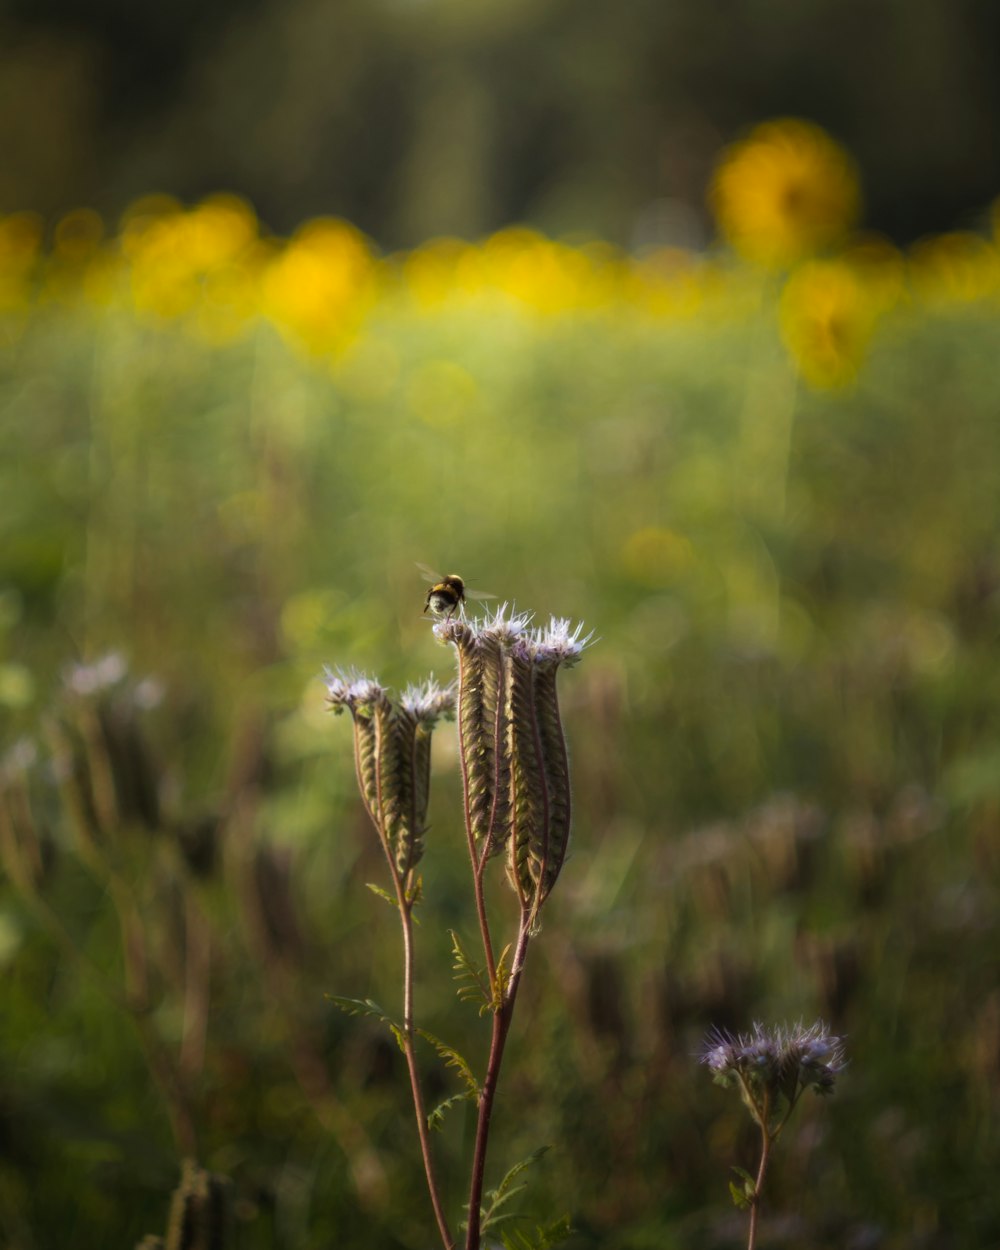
column 772, row 1067
column 514, row 761
column 392, row 756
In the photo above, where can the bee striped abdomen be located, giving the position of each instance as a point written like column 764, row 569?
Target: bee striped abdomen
column 445, row 596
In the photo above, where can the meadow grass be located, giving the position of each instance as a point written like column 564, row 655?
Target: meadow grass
column 770, row 483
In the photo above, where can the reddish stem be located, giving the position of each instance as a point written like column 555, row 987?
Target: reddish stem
column 501, row 1027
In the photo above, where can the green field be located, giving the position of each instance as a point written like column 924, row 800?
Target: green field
column 773, row 492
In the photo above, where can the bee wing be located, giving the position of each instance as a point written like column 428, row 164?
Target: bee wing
column 478, row 594
column 429, row 573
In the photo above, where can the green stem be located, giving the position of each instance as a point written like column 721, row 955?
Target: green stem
column 406, row 920
column 765, row 1154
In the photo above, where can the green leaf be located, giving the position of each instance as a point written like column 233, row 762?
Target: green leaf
column 474, row 984
column 366, row 1007
column 501, row 980
column 436, row 1118
column 377, row 889
column 745, row 1176
column 454, row 1060
column 507, row 1189
column 545, row 1236
column 743, row 1195
column 739, row 1198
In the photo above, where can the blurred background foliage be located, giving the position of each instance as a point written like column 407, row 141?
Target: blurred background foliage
column 764, row 472
column 412, row 118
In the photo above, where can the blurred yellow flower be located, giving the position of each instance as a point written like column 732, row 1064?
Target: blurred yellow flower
column 431, row 271
column 553, row 278
column 827, row 318
column 318, row 288
column 175, row 254
column 954, row 268
column 784, row 192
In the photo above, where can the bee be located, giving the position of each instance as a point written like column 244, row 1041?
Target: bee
column 448, row 593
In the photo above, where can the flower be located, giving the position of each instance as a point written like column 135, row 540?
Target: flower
column 957, row 268
column 515, row 766
column 318, row 287
column 504, row 625
column 88, row 679
column 558, row 644
column 392, row 757
column 427, row 702
column 778, row 1062
column 828, row 317
column 351, row 689
column 784, row 192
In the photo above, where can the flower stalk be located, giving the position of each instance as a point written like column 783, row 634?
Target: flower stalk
column 516, row 800
column 772, row 1069
column 392, row 762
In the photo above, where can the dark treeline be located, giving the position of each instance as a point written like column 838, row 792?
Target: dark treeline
column 421, row 117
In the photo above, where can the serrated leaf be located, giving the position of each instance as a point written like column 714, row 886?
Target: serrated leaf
column 436, row 1118
column 453, row 1059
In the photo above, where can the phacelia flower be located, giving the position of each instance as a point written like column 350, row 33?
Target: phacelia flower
column 772, row 1067
column 392, row 756
column 351, row 689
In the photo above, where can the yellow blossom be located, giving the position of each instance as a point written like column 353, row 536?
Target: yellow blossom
column 431, row 271
column 784, row 193
column 827, row 318
column 318, row 288
column 954, row 268
column 175, row 254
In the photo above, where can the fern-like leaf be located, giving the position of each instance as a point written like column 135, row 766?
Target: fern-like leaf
column 500, row 981
column 474, row 984
column 545, row 1237
column 506, row 1190
column 367, row 1007
column 436, row 1118
column 454, row 1060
